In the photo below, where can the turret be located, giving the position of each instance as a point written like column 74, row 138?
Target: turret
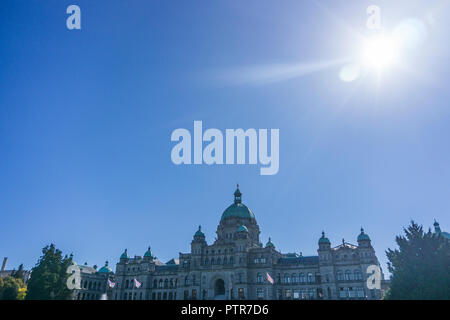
column 363, row 239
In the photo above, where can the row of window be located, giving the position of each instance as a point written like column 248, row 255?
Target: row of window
column 167, row 283
column 88, row 296
column 257, row 260
column 293, row 278
column 92, row 285
column 348, row 275
column 350, row 292
column 298, row 294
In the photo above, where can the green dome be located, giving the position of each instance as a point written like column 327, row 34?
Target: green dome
column 238, row 209
column 148, row 253
column 269, row 244
column 124, row 255
column 242, row 228
column 323, row 239
column 438, row 231
column 105, row 268
column 199, row 232
column 362, row 236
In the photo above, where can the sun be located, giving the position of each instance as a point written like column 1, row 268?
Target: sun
column 380, row 52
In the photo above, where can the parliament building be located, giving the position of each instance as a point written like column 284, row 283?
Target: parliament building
column 238, row 266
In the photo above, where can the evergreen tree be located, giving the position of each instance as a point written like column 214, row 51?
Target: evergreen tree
column 49, row 276
column 420, row 267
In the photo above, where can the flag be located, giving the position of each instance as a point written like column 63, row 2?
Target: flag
column 137, row 283
column 269, row 278
column 111, row 284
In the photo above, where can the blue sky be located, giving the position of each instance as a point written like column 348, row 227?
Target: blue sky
column 86, row 118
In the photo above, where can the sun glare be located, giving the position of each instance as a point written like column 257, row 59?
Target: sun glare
column 379, row 52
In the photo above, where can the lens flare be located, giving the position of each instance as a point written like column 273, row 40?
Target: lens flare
column 379, row 52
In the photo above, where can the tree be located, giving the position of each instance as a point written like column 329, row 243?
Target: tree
column 49, row 276
column 19, row 273
column 12, row 289
column 420, row 267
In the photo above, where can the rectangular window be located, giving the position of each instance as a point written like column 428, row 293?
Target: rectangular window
column 287, row 294
column 260, row 294
column 241, row 293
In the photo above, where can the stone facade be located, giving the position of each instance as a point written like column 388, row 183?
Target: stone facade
column 94, row 283
column 238, row 266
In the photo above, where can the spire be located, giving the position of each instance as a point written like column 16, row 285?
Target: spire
column 437, row 229
column 124, row 255
column 237, row 195
column 199, row 232
column 323, row 239
column 269, row 244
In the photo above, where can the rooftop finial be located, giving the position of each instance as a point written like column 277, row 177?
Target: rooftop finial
column 343, row 241
column 323, row 234
column 362, row 230
column 237, row 195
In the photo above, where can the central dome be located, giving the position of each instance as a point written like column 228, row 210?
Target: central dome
column 238, row 209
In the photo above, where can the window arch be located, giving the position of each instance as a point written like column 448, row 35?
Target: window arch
column 259, row 278
column 357, row 274
column 287, row 278
column 294, row 278
column 186, row 281
column 302, row 278
column 160, row 283
column 155, row 284
column 348, row 275
column 166, row 283
column 340, row 275
column 311, row 278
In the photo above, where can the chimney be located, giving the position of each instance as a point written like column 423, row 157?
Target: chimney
column 5, row 259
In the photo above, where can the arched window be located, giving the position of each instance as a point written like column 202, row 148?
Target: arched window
column 348, row 275
column 357, row 274
column 193, row 279
column 160, row 283
column 263, row 259
column 259, row 278
column 219, row 261
column 225, row 261
column 166, row 283
column 127, row 283
column 340, row 275
column 287, row 278
column 206, row 262
column 294, row 278
column 171, row 283
column 310, row 278
column 212, row 261
column 302, row 278
column 155, row 283
column 186, row 281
